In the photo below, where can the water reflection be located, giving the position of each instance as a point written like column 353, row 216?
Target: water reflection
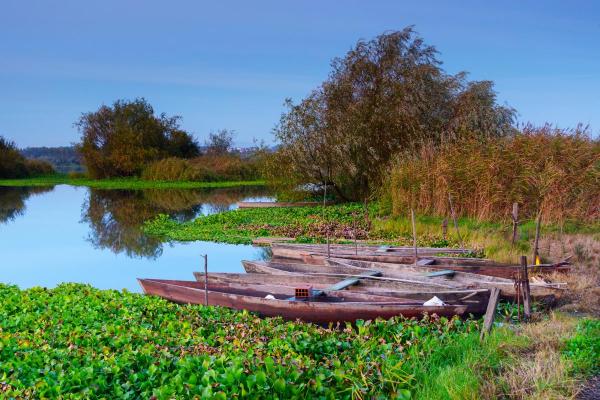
column 12, row 200
column 116, row 216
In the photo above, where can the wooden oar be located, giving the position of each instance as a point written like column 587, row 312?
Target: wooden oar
column 444, row 272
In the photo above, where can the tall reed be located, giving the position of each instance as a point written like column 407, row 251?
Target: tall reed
column 553, row 170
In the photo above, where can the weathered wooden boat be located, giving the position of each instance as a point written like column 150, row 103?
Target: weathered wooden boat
column 475, row 299
column 317, row 254
column 279, row 301
column 291, row 250
column 418, row 277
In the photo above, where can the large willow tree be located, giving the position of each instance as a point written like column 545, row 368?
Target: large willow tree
column 385, row 96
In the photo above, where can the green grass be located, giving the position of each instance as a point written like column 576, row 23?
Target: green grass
column 122, row 183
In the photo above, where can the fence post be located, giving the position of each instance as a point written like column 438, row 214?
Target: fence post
column 525, row 288
column 414, row 230
column 462, row 245
column 515, row 219
column 205, row 279
column 537, row 238
column 445, row 228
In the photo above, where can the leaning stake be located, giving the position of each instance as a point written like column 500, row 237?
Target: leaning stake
column 490, row 312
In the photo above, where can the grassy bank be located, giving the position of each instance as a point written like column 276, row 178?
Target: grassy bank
column 123, row 183
column 342, row 221
column 75, row 341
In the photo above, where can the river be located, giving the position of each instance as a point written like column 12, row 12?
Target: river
column 77, row 234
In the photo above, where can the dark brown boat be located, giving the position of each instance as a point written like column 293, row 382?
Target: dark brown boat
column 429, row 257
column 475, row 299
column 409, row 275
column 330, row 307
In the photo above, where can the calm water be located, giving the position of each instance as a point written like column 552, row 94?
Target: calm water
column 76, row 234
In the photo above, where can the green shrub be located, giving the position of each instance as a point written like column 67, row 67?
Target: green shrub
column 583, row 349
column 207, row 168
column 77, row 175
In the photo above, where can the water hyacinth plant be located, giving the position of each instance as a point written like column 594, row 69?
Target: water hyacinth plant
column 75, row 341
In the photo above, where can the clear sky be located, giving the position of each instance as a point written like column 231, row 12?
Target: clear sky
column 231, row 64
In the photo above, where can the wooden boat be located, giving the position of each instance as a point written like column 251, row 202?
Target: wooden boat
column 291, row 250
column 417, row 277
column 331, row 307
column 475, row 299
column 317, row 254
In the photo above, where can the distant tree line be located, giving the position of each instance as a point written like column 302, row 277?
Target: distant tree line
column 14, row 165
column 64, row 159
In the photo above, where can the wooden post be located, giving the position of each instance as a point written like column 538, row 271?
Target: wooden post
column 537, row 238
column 205, row 279
column 324, row 198
column 414, row 230
column 525, row 288
column 515, row 219
column 490, row 313
column 445, row 228
column 462, row 245
column 367, row 220
column 354, row 233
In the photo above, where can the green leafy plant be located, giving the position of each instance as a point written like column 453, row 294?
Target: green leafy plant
column 76, row 341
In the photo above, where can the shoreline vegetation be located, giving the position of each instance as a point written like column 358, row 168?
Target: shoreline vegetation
column 124, row 183
column 111, row 344
column 342, row 221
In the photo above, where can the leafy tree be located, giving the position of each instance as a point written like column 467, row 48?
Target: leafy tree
column 386, row 95
column 120, row 140
column 220, row 142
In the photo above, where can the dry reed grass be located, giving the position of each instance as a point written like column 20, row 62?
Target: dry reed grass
column 552, row 170
column 537, row 370
column 584, row 280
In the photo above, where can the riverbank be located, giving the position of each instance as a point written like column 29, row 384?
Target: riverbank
column 123, row 183
column 343, row 221
column 111, row 344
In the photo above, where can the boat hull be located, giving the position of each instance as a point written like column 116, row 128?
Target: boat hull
column 475, row 300
column 317, row 254
column 308, row 311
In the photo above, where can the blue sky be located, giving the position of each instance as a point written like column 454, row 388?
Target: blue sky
column 231, row 64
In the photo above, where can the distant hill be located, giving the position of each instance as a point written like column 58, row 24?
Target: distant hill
column 64, row 159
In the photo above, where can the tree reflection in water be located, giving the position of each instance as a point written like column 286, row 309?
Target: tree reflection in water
column 12, row 200
column 116, row 216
